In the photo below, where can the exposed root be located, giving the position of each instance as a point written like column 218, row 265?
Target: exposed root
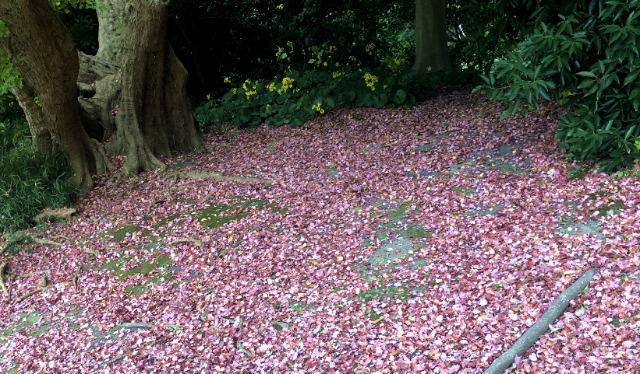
column 21, row 238
column 43, row 284
column 28, row 294
column 47, row 214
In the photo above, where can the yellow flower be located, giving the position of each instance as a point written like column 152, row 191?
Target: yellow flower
column 428, row 68
column 286, row 84
column 324, row 63
column 337, row 74
column 272, row 86
column 208, row 96
column 370, row 80
column 227, row 80
column 235, row 90
column 370, row 47
column 267, row 107
column 318, row 107
column 399, row 61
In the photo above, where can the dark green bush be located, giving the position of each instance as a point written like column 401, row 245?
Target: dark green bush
column 300, row 95
column 588, row 60
column 29, row 182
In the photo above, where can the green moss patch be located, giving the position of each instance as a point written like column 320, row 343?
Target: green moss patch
column 218, row 215
column 159, row 266
column 26, row 322
column 464, row 191
column 118, row 234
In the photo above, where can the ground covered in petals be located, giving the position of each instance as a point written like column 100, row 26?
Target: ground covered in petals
column 423, row 239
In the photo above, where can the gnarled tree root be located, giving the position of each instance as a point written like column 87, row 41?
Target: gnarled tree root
column 527, row 339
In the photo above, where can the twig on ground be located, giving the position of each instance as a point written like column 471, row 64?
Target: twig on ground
column 527, row 339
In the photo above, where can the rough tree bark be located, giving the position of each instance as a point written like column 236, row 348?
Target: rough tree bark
column 44, row 54
column 140, row 97
column 132, row 92
column 431, row 37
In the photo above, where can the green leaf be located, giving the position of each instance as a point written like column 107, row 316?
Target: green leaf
column 587, row 74
column 399, row 97
column 628, row 133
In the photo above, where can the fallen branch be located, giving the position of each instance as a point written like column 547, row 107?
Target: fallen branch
column 527, row 339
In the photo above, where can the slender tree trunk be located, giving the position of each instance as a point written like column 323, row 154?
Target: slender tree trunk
column 40, row 134
column 431, row 37
column 44, row 54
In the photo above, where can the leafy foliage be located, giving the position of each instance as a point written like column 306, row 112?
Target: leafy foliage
column 300, row 95
column 480, row 32
column 587, row 60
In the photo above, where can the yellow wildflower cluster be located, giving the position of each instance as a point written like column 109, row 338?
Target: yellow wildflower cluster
column 399, row 61
column 337, row 74
column 249, row 89
column 370, row 80
column 318, row 107
column 227, row 80
column 286, row 84
column 272, row 86
column 369, row 48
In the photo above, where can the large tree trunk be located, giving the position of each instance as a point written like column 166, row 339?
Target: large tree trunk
column 140, row 86
column 46, row 59
column 431, row 37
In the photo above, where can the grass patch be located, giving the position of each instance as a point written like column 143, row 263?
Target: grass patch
column 31, row 181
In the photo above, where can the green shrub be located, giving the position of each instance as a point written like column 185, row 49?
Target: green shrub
column 588, row 61
column 29, row 182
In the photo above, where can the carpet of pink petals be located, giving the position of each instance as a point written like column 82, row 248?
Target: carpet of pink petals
column 231, row 305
